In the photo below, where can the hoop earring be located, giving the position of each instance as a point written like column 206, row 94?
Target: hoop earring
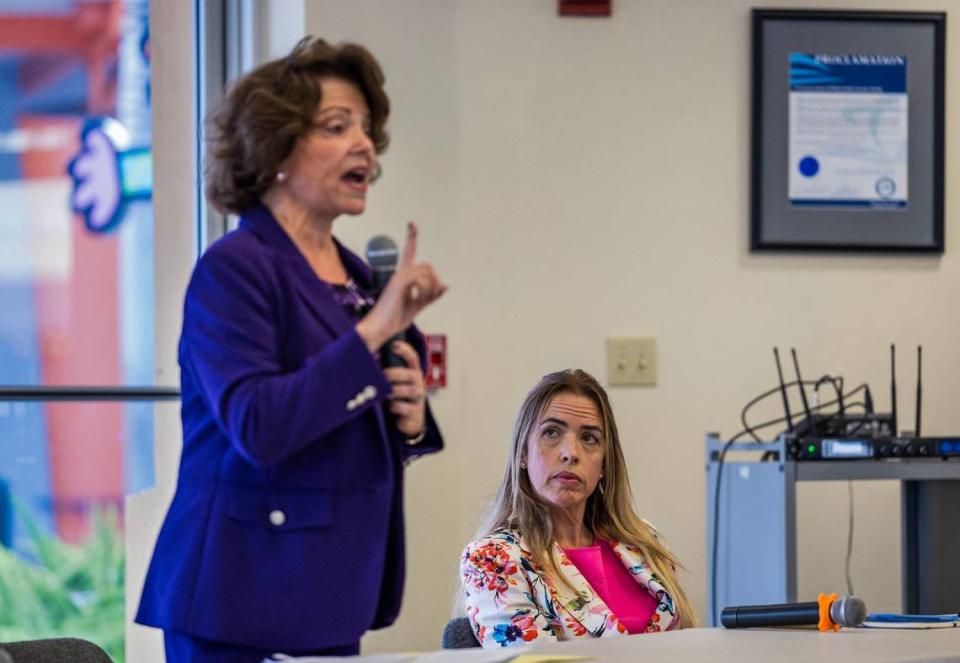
column 600, row 486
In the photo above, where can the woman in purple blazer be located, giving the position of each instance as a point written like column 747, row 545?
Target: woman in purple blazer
column 285, row 533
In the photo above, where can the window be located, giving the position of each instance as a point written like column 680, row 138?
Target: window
column 76, row 291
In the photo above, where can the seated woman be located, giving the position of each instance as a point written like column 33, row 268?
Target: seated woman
column 563, row 554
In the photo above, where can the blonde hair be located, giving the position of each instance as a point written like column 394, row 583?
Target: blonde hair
column 610, row 511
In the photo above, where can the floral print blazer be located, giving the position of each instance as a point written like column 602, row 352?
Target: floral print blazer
column 510, row 600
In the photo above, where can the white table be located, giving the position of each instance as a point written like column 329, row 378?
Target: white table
column 717, row 645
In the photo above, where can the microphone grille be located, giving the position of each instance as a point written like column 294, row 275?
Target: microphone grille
column 382, row 253
column 848, row 611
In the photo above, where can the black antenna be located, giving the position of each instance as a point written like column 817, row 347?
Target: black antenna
column 783, row 390
column 893, row 388
column 919, row 388
column 803, row 393
column 838, row 385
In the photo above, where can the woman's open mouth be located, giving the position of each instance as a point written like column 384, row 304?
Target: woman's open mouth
column 357, row 178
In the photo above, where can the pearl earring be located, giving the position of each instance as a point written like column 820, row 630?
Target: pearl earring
column 281, row 176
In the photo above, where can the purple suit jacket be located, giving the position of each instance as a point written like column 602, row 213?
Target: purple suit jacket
column 286, row 528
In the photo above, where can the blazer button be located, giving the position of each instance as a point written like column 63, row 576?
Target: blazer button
column 278, row 517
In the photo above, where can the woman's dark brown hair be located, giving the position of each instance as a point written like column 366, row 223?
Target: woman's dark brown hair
column 268, row 109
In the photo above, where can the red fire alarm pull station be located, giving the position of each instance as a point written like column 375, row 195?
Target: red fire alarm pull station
column 584, row 7
column 436, row 345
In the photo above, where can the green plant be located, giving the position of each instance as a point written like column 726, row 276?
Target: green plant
column 67, row 590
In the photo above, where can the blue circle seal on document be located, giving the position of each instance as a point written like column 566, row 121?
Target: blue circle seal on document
column 809, row 166
column 885, row 187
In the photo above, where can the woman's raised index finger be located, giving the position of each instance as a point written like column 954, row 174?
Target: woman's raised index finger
column 410, row 246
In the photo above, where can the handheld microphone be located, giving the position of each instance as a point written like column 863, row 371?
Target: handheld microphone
column 829, row 612
column 382, row 256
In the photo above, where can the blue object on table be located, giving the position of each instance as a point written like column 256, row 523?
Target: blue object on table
column 891, row 617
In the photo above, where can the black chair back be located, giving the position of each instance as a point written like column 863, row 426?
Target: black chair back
column 458, row 634
column 53, row 650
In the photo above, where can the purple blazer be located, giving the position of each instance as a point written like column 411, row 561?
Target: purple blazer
column 286, row 527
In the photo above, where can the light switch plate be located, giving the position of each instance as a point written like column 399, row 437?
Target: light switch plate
column 632, row 361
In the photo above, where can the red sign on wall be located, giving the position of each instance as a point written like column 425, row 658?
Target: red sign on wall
column 436, row 360
column 583, row 7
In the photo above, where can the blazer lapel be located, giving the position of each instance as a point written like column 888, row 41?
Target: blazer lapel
column 630, row 557
column 312, row 291
column 584, row 605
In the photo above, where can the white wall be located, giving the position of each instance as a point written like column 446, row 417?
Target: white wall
column 581, row 178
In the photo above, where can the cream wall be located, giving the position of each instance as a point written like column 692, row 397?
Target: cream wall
column 581, row 178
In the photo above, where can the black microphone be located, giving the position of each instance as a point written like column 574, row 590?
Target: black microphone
column 828, row 613
column 382, row 256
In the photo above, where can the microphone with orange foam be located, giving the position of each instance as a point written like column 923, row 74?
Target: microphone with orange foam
column 828, row 613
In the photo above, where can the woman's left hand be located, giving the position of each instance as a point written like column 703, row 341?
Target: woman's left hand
column 408, row 398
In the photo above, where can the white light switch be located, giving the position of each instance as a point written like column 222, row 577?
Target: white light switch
column 632, row 361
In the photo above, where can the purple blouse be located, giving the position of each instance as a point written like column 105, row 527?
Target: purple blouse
column 354, row 301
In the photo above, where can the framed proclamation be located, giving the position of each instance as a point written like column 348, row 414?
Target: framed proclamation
column 847, row 129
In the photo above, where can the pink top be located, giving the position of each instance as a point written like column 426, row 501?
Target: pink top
column 629, row 600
